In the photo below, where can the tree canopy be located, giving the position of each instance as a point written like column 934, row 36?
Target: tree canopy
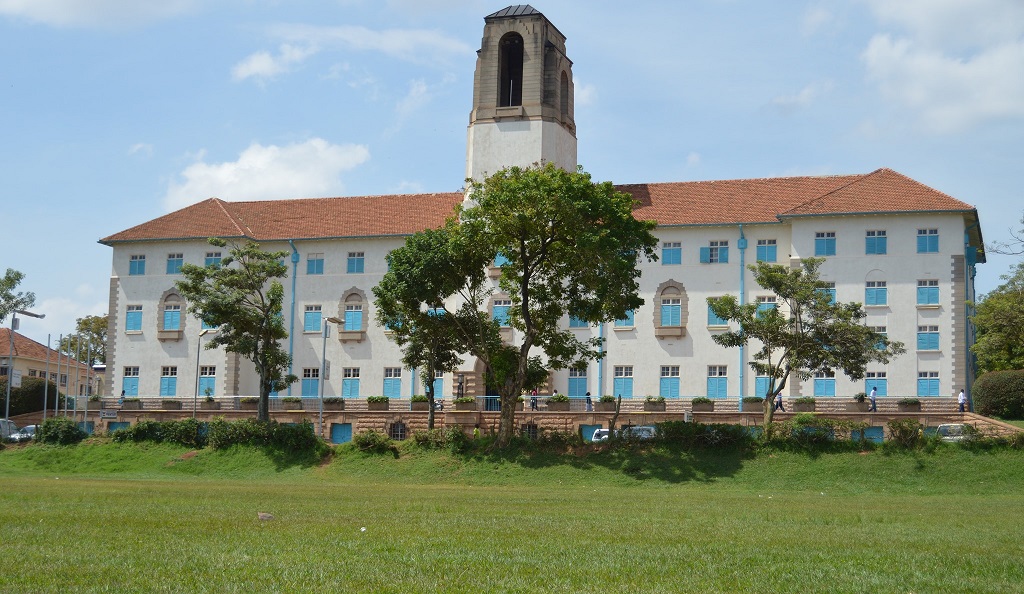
column 566, row 246
column 999, row 319
column 243, row 299
column 89, row 339
column 11, row 301
column 806, row 333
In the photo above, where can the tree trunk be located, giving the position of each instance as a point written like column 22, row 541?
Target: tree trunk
column 430, row 403
column 507, row 422
column 263, row 408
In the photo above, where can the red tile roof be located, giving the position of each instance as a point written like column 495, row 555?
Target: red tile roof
column 26, row 348
column 676, row 203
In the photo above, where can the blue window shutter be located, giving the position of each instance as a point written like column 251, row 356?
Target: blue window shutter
column 723, row 255
column 881, row 245
column 353, row 320
column 772, row 254
column 869, row 296
column 172, row 319
column 881, row 385
column 627, row 321
column 500, row 260
column 577, row 387
column 669, row 387
column 922, row 387
column 393, row 387
column 133, row 321
column 501, row 314
column 671, row 256
column 623, row 386
column 922, row 295
column 881, row 296
column 130, row 385
column 717, row 387
column 439, row 388
column 350, row 388
column 761, row 386
column 705, row 255
column 312, row 321
column 168, row 386
column 933, row 387
column 207, row 386
column 310, row 387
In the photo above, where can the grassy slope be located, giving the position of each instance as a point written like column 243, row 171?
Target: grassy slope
column 127, row 517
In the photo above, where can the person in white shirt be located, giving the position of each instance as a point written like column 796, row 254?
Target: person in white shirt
column 962, row 400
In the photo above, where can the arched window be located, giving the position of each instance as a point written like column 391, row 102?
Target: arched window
column 671, row 309
column 171, row 316
column 510, row 61
column 563, row 95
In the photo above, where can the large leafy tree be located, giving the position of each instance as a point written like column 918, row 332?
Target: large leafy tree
column 569, row 246
column 243, row 298
column 809, row 331
column 428, row 267
column 89, row 339
column 999, row 319
column 11, row 301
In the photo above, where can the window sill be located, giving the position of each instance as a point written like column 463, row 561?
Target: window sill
column 670, row 331
column 927, row 306
column 623, row 328
column 878, row 306
column 169, row 335
column 927, row 351
column 718, row 326
column 515, row 111
column 133, row 332
column 351, row 335
column 494, row 272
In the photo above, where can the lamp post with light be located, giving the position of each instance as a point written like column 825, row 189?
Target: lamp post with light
column 199, row 346
column 325, row 331
column 10, row 357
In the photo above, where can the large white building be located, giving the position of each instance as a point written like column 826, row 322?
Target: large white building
column 907, row 251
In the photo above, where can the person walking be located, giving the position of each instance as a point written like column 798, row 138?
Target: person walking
column 590, row 403
column 872, row 397
column 962, row 401
column 533, row 400
column 778, row 402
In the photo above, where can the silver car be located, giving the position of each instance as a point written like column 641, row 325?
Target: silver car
column 26, row 433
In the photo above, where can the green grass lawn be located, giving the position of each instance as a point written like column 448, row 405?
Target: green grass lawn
column 121, row 517
column 1016, row 423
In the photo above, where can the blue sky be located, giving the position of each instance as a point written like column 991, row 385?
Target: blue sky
column 113, row 112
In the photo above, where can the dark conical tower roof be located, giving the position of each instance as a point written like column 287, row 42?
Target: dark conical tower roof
column 516, row 10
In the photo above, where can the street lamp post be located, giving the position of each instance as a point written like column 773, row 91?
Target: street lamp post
column 325, row 331
column 199, row 346
column 10, row 357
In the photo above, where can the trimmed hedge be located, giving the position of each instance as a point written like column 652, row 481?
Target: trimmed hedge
column 187, row 432
column 29, row 397
column 1000, row 394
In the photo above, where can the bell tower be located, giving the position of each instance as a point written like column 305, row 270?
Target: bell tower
column 522, row 96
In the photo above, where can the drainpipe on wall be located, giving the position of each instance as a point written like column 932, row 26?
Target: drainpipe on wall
column 291, row 322
column 968, row 326
column 742, row 245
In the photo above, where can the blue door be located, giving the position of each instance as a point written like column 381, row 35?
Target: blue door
column 115, row 425
column 588, row 431
column 341, row 432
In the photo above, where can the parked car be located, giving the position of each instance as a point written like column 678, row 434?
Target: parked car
column 641, row 432
column 26, row 433
column 954, row 432
column 7, row 429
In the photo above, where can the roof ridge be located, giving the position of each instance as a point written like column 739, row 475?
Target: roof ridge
column 234, row 221
column 857, row 179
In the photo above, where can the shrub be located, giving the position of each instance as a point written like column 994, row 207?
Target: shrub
column 1000, row 394
column 804, row 400
column 187, row 432
column 420, row 398
column 655, row 399
column 699, row 435
column 701, row 400
column 455, row 439
column 752, row 400
column 464, row 400
column 558, row 398
column 860, row 396
column 431, row 438
column 291, row 400
column 333, row 400
column 908, row 401
column 94, row 398
column 377, row 399
column 131, row 400
column 607, row 398
column 905, row 433
column 374, row 442
column 249, row 400
column 299, row 437
column 60, row 431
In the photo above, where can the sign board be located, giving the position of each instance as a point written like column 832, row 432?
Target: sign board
column 108, row 414
column 15, row 378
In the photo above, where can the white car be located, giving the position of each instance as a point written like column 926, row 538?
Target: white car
column 26, row 433
column 7, row 429
column 640, row 432
column 953, row 432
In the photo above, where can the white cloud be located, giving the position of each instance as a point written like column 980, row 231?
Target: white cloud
column 414, row 45
column 94, row 13
column 815, row 18
column 61, row 313
column 141, row 148
column 950, row 94
column 263, row 65
column 955, row 63
column 584, row 95
column 419, row 96
column 692, row 160
column 307, row 169
column 802, row 98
